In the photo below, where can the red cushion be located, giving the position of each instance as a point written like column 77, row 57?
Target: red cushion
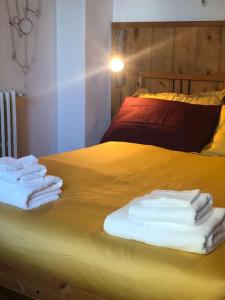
column 169, row 124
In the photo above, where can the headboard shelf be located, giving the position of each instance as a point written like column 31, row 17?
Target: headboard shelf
column 180, row 83
column 186, row 57
column 197, row 77
column 126, row 25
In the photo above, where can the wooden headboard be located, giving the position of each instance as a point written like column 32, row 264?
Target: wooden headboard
column 185, row 57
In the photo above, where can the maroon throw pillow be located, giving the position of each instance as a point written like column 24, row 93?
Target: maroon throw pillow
column 169, row 124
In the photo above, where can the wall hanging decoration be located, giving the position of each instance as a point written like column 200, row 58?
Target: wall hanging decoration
column 23, row 16
column 204, row 2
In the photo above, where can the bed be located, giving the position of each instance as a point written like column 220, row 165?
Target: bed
column 60, row 251
column 64, row 244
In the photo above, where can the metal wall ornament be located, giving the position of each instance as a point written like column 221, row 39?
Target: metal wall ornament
column 22, row 17
column 204, row 2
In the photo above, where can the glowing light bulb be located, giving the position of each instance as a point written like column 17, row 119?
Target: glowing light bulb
column 116, row 64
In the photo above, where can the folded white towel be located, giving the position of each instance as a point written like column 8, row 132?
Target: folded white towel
column 10, row 163
column 197, row 213
column 37, row 201
column 162, row 198
column 23, row 175
column 31, row 194
column 198, row 239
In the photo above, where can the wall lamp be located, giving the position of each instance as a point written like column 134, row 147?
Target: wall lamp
column 116, row 64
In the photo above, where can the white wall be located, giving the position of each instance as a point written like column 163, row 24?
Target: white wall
column 10, row 74
column 71, row 74
column 83, row 44
column 39, row 84
column 66, row 110
column 98, row 80
column 40, row 87
column 168, row 10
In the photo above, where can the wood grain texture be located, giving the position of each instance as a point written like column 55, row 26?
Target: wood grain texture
column 187, row 76
column 177, row 86
column 172, row 48
column 166, row 24
column 6, row 294
column 222, row 59
column 209, row 43
column 182, row 83
column 185, row 43
column 138, row 49
column 138, row 55
column 162, row 57
column 39, row 287
column 203, row 86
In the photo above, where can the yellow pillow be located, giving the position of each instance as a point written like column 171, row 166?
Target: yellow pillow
column 140, row 92
column 217, row 145
column 207, row 98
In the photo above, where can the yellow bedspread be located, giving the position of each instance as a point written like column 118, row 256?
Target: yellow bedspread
column 66, row 239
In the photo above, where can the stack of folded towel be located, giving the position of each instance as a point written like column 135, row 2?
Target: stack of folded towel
column 24, row 183
column 183, row 220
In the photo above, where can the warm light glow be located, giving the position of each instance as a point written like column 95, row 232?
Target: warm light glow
column 116, row 64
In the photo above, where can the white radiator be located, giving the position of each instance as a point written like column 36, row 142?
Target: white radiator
column 8, row 124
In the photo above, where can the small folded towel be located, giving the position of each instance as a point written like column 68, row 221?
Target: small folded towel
column 10, row 163
column 31, row 194
column 24, row 175
column 162, row 198
column 197, row 239
column 195, row 213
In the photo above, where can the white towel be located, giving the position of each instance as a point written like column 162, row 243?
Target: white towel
column 197, row 213
column 24, row 175
column 198, row 239
column 10, row 163
column 31, row 194
column 162, row 198
column 38, row 201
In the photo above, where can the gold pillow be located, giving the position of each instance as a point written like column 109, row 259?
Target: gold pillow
column 139, row 92
column 217, row 145
column 207, row 98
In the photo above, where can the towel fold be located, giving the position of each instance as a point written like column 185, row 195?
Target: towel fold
column 198, row 239
column 10, row 163
column 31, row 194
column 171, row 198
column 186, row 212
column 23, row 175
column 37, row 201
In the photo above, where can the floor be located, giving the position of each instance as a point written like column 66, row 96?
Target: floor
column 8, row 295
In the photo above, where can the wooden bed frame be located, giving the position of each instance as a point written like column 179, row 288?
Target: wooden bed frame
column 161, row 69
column 181, row 83
column 185, row 57
column 40, row 287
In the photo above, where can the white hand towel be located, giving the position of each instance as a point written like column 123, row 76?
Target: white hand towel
column 24, row 175
column 31, row 194
column 54, row 188
column 10, row 163
column 37, row 201
column 198, row 239
column 195, row 214
column 159, row 198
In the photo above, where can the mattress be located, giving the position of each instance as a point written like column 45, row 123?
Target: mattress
column 65, row 240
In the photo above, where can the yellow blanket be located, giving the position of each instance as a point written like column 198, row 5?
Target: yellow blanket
column 66, row 239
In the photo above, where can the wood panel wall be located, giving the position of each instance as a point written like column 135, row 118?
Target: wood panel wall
column 170, row 47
